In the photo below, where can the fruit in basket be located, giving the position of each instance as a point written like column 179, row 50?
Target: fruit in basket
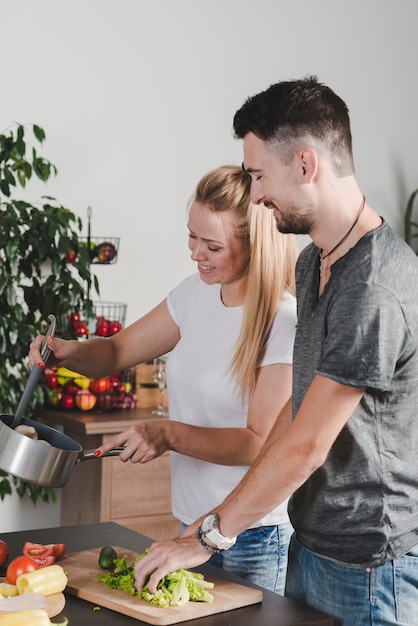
column 81, row 329
column 85, row 399
column 68, row 401
column 114, row 327
column 100, row 385
column 54, row 397
column 70, row 386
column 105, row 252
column 106, row 401
column 102, row 327
column 82, row 381
column 51, row 380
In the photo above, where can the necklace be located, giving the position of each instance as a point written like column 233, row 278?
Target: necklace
column 322, row 257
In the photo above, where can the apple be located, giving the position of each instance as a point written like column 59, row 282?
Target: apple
column 105, row 252
column 71, row 387
column 85, row 399
column 51, row 380
column 67, row 401
column 114, row 327
column 71, row 256
column 102, row 328
column 73, row 318
column 100, row 385
column 81, row 329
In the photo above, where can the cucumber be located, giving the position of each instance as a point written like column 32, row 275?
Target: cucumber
column 106, row 557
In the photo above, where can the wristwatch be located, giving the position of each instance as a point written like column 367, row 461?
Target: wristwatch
column 209, row 529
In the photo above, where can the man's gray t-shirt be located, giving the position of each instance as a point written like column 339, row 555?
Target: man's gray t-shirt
column 361, row 506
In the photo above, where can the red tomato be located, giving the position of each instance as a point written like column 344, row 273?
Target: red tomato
column 4, row 553
column 37, row 549
column 58, row 550
column 20, row 565
column 43, row 561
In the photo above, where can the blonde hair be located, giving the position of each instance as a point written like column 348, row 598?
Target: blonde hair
column 270, row 270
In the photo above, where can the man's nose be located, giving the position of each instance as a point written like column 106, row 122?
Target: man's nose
column 256, row 194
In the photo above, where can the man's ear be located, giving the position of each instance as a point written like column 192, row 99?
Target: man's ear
column 307, row 165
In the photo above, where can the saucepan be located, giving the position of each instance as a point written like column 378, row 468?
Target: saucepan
column 48, row 461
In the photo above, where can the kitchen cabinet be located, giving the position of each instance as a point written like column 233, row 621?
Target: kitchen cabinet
column 137, row 496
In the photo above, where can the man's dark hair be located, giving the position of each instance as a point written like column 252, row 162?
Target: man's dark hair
column 289, row 112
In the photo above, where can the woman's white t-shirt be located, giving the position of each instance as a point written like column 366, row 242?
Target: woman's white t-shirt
column 201, row 393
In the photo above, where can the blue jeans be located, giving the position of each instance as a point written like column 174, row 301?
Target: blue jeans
column 259, row 555
column 356, row 595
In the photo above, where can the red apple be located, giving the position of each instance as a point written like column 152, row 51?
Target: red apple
column 73, row 318
column 68, row 401
column 102, row 328
column 71, row 256
column 81, row 329
column 114, row 327
column 100, row 385
column 51, row 380
column 70, row 387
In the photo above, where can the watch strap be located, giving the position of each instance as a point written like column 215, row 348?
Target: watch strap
column 204, row 544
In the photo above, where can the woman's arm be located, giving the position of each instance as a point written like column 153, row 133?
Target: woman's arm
column 152, row 335
column 225, row 446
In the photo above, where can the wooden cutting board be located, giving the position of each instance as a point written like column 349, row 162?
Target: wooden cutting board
column 83, row 571
column 54, row 603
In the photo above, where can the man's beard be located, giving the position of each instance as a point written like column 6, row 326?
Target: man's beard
column 294, row 223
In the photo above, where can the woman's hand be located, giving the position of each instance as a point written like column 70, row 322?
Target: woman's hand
column 165, row 557
column 143, row 442
column 61, row 351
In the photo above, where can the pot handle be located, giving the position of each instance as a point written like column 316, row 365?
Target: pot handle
column 85, row 455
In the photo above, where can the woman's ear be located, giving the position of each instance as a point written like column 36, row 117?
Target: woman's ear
column 307, row 165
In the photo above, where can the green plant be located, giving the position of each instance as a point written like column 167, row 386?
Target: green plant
column 44, row 268
column 409, row 224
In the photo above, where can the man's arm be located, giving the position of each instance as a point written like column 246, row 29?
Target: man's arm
column 287, row 459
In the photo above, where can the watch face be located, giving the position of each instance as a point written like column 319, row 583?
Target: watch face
column 209, row 523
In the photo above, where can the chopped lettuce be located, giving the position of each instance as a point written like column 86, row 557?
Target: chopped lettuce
column 175, row 589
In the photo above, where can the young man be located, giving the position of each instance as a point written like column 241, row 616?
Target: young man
column 348, row 457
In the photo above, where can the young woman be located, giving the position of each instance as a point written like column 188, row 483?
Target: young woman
column 229, row 329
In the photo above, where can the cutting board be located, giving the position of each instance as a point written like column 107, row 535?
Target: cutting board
column 54, row 603
column 83, row 571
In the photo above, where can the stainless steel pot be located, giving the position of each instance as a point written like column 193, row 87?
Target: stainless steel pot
column 39, row 463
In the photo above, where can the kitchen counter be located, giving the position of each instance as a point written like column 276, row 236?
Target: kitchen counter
column 273, row 611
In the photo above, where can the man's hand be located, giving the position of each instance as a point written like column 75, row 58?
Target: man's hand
column 165, row 557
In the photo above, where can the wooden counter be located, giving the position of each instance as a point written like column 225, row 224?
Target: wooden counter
column 100, row 490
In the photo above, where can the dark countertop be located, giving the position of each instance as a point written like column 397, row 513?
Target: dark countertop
column 274, row 610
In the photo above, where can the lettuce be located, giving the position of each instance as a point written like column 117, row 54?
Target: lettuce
column 175, row 589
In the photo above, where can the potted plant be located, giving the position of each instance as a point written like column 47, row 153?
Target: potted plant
column 44, row 268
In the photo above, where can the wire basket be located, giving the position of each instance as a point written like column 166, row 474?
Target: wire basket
column 103, row 250
column 67, row 390
column 110, row 318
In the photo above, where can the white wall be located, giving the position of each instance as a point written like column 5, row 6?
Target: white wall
column 137, row 100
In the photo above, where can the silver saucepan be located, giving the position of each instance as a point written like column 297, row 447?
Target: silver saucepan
column 37, row 462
